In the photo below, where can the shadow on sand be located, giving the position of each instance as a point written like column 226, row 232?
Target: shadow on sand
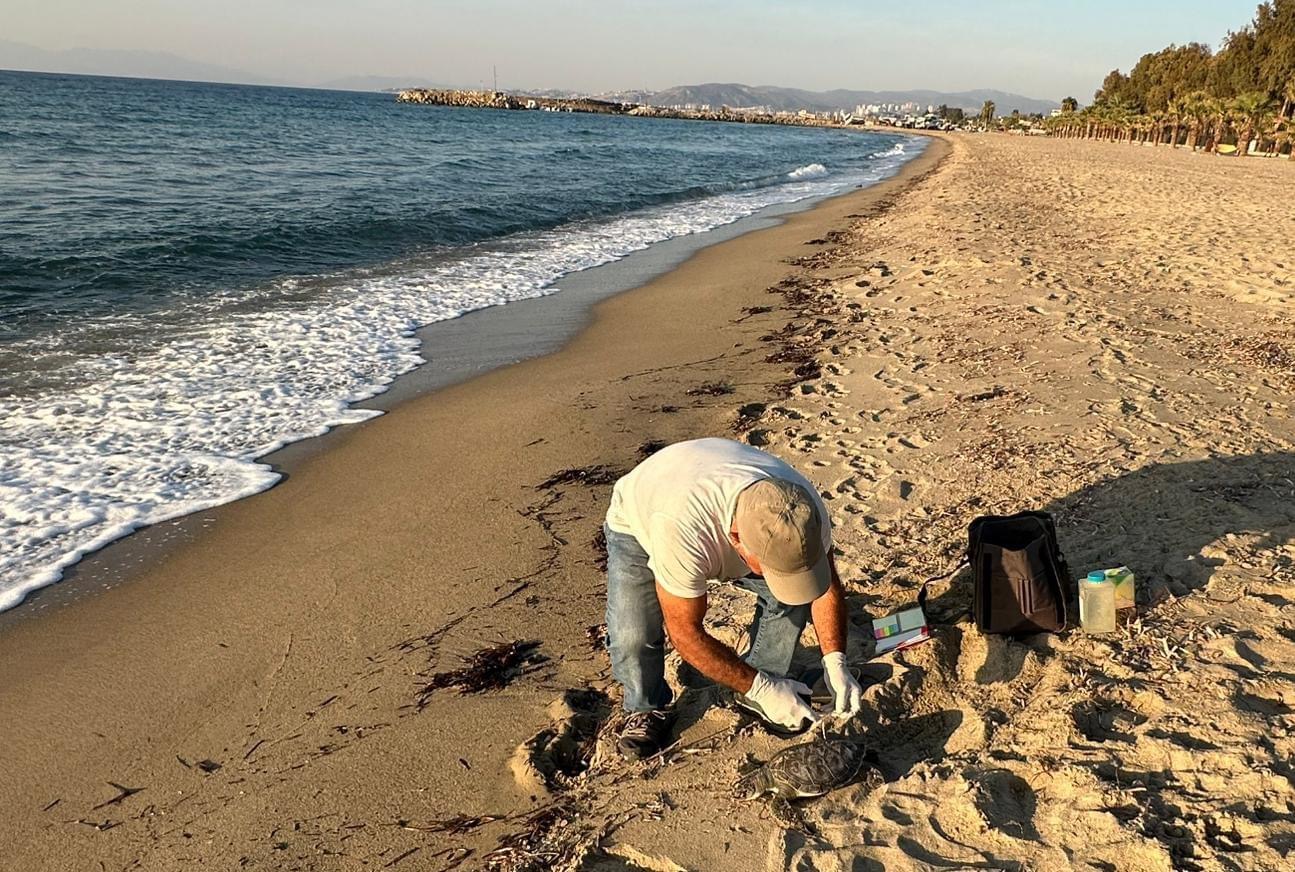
column 1167, row 522
column 1164, row 521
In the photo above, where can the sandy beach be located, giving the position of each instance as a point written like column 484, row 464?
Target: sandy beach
column 1095, row 329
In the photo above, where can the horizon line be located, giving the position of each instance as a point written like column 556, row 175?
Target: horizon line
column 586, row 93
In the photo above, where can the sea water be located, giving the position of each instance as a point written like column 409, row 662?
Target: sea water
column 194, row 275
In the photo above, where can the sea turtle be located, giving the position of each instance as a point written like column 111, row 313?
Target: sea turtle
column 810, row 769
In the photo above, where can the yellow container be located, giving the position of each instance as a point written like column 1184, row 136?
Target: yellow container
column 1122, row 578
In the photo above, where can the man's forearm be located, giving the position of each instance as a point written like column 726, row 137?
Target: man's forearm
column 715, row 660
column 830, row 617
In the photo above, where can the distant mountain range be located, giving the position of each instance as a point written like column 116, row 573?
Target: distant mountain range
column 737, row 96
column 112, row 62
column 163, row 65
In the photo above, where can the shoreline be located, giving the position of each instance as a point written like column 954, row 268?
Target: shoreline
column 293, row 620
column 475, row 343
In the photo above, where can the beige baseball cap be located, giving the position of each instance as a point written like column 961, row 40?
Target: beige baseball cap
column 777, row 521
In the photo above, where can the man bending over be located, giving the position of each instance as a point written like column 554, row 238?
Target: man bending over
column 710, row 510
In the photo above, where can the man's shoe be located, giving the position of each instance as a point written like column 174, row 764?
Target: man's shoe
column 646, row 733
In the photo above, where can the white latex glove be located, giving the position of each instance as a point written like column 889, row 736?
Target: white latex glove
column 782, row 700
column 846, row 691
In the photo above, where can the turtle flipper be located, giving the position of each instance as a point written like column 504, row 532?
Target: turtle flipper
column 789, row 816
column 869, row 778
column 785, row 814
column 752, row 784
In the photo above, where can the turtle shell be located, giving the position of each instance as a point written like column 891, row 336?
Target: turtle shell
column 809, row 769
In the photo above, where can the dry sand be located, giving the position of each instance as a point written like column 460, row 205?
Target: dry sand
column 1103, row 332
column 1100, row 330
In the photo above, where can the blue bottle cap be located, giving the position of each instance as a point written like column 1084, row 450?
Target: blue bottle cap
column 1097, row 576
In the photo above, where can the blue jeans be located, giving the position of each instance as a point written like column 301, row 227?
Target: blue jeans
column 636, row 628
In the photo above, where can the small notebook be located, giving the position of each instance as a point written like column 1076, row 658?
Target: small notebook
column 900, row 630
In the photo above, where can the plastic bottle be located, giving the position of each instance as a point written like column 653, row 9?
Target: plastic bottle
column 1097, row 603
column 1122, row 578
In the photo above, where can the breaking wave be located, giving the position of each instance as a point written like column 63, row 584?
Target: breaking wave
column 123, row 416
column 811, row 171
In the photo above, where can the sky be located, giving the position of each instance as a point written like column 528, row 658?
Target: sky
column 1047, row 48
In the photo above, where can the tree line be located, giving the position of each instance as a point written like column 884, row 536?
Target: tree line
column 1236, row 100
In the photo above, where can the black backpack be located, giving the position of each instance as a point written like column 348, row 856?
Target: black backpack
column 1021, row 580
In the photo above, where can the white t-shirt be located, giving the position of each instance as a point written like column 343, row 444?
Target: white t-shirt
column 679, row 505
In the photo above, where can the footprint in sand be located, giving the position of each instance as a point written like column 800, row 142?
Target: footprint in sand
column 551, row 760
column 913, row 441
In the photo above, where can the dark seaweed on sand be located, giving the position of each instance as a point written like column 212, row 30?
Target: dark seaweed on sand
column 799, row 291
column 711, row 389
column 810, row 369
column 455, row 826
column 595, row 475
column 792, row 353
column 747, row 416
column 548, row 840
column 650, row 447
column 799, row 342
column 488, row 669
column 751, row 311
column 599, row 546
column 804, row 356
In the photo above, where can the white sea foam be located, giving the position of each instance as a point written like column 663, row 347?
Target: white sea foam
column 812, row 171
column 896, row 150
column 178, row 427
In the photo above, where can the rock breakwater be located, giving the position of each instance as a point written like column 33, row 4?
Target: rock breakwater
column 521, row 102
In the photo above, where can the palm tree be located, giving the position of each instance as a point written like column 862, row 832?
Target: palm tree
column 1283, row 121
column 1288, row 98
column 1195, row 107
column 1219, row 114
column 987, row 113
column 1090, row 116
column 1100, row 121
column 1251, row 109
column 1147, row 126
column 1070, row 104
column 1063, row 125
column 1156, row 125
column 1177, row 112
column 1285, row 138
column 1121, row 121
